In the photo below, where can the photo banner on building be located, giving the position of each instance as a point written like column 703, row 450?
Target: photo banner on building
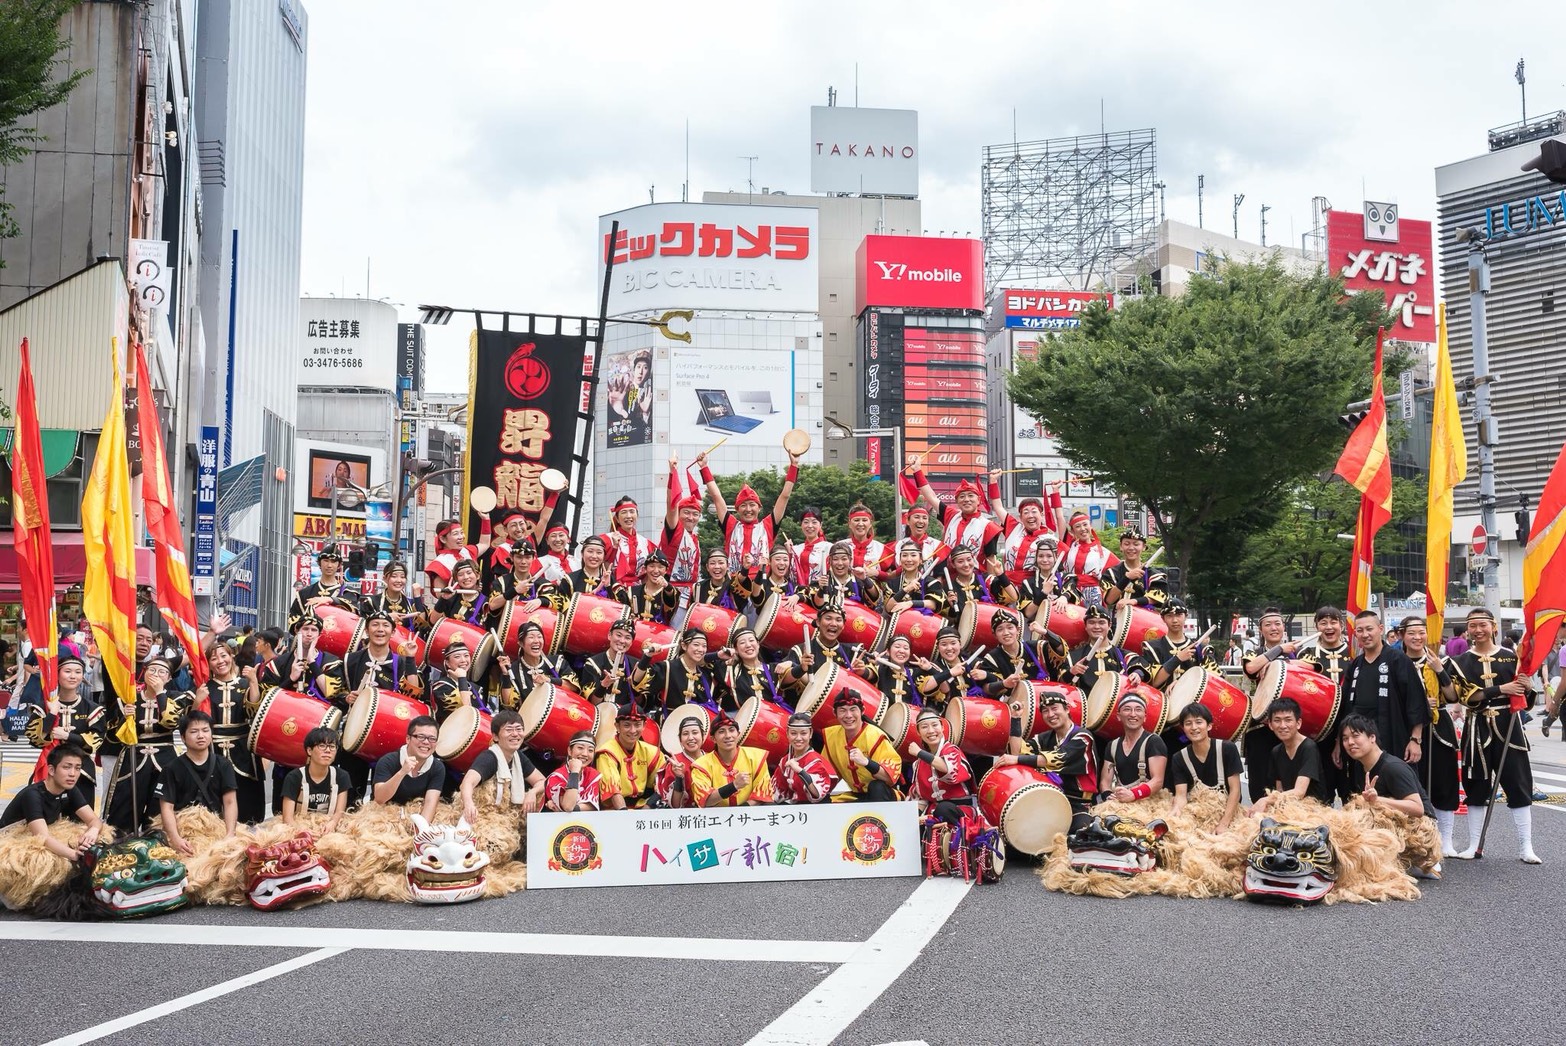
column 716, row 393
column 524, row 395
column 628, row 391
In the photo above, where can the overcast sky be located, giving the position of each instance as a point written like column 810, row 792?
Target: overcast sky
column 466, row 150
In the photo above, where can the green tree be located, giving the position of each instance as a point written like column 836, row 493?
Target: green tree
column 30, row 44
column 1209, row 407
column 825, row 487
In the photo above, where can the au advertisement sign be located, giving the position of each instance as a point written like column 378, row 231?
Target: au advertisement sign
column 712, row 256
column 874, row 152
column 748, row 844
column 920, row 272
column 716, row 393
column 523, row 412
column 1049, row 310
column 1394, row 258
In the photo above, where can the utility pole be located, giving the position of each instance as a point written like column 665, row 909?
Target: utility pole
column 1484, row 421
column 1201, row 185
column 1239, row 198
column 1160, row 187
column 750, row 175
column 1265, row 209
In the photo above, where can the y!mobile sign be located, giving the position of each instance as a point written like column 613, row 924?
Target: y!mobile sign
column 1049, row 310
column 1379, row 251
column 712, row 256
column 920, row 272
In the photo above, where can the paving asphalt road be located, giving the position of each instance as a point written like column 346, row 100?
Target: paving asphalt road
column 1472, row 961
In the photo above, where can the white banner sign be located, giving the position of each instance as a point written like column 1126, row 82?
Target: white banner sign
column 712, row 256
column 720, row 845
column 874, row 152
column 745, row 396
column 348, row 343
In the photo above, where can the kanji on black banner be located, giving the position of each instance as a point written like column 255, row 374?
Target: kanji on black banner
column 523, row 414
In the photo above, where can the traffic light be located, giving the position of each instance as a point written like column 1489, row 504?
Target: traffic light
column 1551, row 161
column 356, row 562
column 372, row 554
column 1352, row 419
column 1523, row 527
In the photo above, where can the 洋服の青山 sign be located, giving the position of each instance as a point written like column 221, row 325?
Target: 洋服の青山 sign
column 522, row 414
column 914, row 272
column 713, row 256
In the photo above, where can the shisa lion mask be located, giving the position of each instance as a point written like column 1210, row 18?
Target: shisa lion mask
column 136, row 876
column 1120, row 845
column 446, row 866
column 1290, row 863
column 286, row 872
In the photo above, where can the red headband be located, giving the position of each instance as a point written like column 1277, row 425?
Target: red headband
column 967, row 487
column 746, row 494
column 866, row 513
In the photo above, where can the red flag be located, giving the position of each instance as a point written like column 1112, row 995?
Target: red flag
column 175, row 599
column 1544, row 573
column 1367, row 466
column 30, row 523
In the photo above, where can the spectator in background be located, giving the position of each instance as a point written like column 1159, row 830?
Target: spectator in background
column 1456, row 645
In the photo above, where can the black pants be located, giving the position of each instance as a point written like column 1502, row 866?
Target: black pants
column 952, row 811
column 1482, row 747
column 129, row 804
column 1256, row 748
column 1438, row 767
column 878, row 791
column 358, row 776
column 250, row 798
column 279, row 771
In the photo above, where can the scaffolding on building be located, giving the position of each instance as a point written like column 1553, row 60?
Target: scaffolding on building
column 1072, row 210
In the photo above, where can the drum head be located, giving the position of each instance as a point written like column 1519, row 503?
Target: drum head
column 1033, row 816
column 1268, row 689
column 956, row 720
column 535, row 709
column 1120, row 630
column 796, row 441
column 457, row 731
column 897, row 725
column 766, row 615
column 1102, row 700
column 553, row 480
column 603, row 723
column 268, row 695
column 356, row 725
column 482, row 500
column 1183, row 692
column 747, row 715
column 816, row 690
column 967, row 622
column 670, row 733
column 481, row 657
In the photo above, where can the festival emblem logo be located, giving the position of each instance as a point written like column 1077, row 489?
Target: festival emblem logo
column 868, row 840
column 290, row 727
column 526, row 377
column 402, row 712
column 574, row 850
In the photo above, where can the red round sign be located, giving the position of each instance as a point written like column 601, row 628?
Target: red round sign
column 1481, row 540
column 526, row 375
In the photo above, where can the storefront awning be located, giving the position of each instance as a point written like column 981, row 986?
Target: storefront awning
column 59, row 448
column 70, row 565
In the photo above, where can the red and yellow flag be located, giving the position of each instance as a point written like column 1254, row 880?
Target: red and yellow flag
column 1448, row 468
column 175, row 598
column 30, row 522
column 109, row 541
column 1544, row 573
column 1367, row 466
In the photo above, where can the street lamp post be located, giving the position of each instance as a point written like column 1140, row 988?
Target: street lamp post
column 838, row 430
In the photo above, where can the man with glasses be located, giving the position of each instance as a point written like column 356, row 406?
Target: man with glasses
column 412, row 772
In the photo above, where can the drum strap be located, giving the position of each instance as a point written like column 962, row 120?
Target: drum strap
column 1139, row 753
column 331, row 777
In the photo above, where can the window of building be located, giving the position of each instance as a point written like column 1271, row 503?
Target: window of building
column 65, row 489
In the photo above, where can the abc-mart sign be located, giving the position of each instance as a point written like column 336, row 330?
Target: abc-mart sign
column 712, row 256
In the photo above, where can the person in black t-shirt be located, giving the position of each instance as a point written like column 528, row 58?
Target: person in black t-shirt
column 517, row 783
column 200, row 777
column 1294, row 767
column 42, row 803
column 1205, row 763
column 412, row 772
column 318, row 787
column 1135, row 763
column 1383, row 780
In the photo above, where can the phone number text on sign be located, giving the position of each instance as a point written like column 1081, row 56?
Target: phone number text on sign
column 346, row 362
column 748, row 844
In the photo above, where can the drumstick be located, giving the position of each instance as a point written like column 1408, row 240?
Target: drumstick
column 1156, row 553
column 715, row 446
column 1009, row 472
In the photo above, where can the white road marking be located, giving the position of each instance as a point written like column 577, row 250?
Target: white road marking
column 844, row 994
column 1545, row 775
column 715, row 948
column 163, row 1009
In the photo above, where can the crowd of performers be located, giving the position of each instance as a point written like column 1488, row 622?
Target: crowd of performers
column 639, row 670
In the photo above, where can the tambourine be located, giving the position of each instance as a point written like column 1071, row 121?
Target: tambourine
column 482, row 500
column 553, row 480
column 796, row 441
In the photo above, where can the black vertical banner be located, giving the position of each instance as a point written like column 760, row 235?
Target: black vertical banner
column 523, row 396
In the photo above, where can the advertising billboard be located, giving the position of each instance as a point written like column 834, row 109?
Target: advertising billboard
column 318, row 466
column 348, row 343
column 628, row 391
column 716, row 393
column 920, row 272
column 712, row 256
column 1379, row 251
column 872, row 152
column 1048, row 310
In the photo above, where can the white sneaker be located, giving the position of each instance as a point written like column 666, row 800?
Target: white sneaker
column 1468, row 854
column 1529, row 857
column 1449, row 851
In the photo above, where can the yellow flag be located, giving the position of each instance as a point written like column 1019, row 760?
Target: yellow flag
column 109, row 540
column 1448, row 468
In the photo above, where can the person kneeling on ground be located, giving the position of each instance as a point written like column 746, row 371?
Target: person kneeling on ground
column 802, row 775
column 42, row 803
column 861, row 754
column 730, row 774
column 1295, row 766
column 412, row 772
column 577, row 785
column 517, row 781
column 1205, row 763
column 201, row 777
column 1383, row 780
column 320, row 786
